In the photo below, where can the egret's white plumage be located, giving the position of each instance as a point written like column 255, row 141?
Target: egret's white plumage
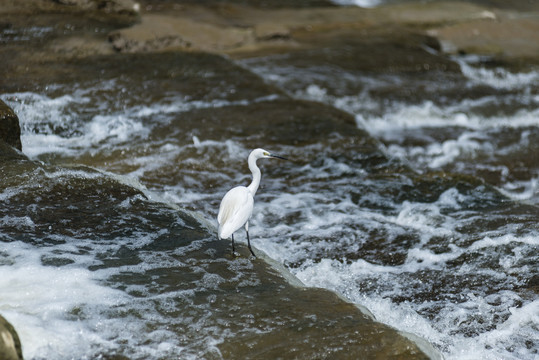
column 237, row 204
column 235, row 210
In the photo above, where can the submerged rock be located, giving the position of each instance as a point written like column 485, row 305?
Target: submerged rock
column 10, row 130
column 10, row 344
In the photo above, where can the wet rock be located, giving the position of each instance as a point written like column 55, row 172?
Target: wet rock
column 301, row 337
column 10, row 344
column 271, row 31
column 505, row 37
column 10, row 130
column 79, row 47
column 368, row 51
column 429, row 14
column 244, row 30
column 113, row 7
column 158, row 32
column 9, row 153
column 359, row 39
column 271, row 4
column 282, row 121
column 533, row 284
column 109, row 6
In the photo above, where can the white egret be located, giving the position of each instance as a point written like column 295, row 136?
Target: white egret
column 237, row 204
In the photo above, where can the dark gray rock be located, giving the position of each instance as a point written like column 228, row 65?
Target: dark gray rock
column 10, row 130
column 10, row 345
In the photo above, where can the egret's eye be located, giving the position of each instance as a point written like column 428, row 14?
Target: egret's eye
column 266, row 153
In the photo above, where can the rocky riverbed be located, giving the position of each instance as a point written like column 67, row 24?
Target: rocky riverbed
column 411, row 190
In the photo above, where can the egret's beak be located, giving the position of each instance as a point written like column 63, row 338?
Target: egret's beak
column 278, row 157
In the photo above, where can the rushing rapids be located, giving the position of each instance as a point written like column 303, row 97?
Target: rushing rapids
column 412, row 191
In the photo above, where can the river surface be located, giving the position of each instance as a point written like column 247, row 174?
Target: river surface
column 455, row 255
column 424, row 209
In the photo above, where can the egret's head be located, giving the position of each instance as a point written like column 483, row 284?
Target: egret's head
column 261, row 153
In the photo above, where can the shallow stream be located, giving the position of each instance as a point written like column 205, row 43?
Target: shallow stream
column 415, row 195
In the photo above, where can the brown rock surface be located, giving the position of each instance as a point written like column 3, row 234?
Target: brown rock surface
column 124, row 7
column 10, row 345
column 243, row 31
column 158, row 32
column 506, row 37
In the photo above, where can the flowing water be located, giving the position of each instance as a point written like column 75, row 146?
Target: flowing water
column 450, row 253
column 425, row 209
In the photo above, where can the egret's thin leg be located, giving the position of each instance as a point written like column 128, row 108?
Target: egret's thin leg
column 233, row 249
column 249, row 241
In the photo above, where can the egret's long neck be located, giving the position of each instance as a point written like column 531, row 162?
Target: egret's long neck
column 256, row 174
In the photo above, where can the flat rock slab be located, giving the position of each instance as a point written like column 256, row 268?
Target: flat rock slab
column 128, row 8
column 245, row 31
column 161, row 31
column 407, row 30
column 506, row 37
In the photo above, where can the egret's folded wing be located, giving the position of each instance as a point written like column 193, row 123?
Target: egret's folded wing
column 236, row 208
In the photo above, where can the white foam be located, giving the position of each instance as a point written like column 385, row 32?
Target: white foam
column 452, row 199
column 426, row 259
column 38, row 144
column 44, row 121
column 326, row 224
column 119, row 127
column 498, row 78
column 429, row 115
column 38, row 300
column 341, row 278
column 20, row 221
column 468, row 146
column 489, row 242
column 54, row 307
column 506, row 341
column 418, row 215
column 390, row 120
column 522, row 190
column 59, row 125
